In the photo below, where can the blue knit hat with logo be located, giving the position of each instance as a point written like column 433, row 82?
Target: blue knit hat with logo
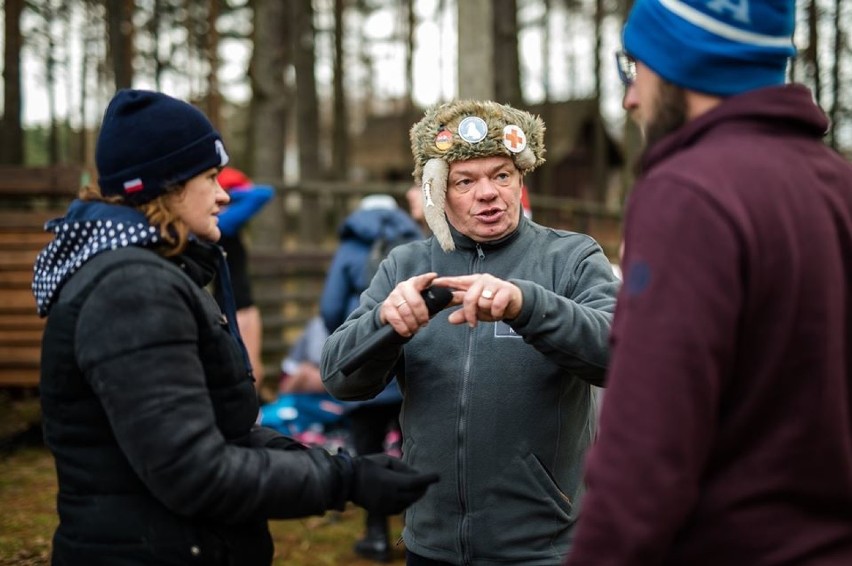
column 150, row 141
column 719, row 47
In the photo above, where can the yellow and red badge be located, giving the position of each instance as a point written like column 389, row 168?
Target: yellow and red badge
column 444, row 140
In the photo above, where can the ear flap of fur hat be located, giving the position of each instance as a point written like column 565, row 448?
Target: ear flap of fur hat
column 463, row 130
column 434, row 190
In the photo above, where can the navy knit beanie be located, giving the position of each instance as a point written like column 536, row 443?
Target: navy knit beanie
column 150, row 141
column 719, row 47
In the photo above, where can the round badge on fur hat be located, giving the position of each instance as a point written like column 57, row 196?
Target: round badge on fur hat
column 473, row 129
column 514, row 138
column 465, row 119
column 444, row 140
column 150, row 141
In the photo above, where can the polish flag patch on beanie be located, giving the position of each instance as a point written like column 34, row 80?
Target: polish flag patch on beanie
column 133, row 186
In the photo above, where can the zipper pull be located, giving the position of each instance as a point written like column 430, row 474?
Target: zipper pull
column 479, row 252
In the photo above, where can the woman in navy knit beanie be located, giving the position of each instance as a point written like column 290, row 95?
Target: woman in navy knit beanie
column 148, row 400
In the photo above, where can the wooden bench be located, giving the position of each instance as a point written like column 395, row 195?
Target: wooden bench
column 29, row 197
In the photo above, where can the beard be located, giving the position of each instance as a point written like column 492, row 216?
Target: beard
column 668, row 114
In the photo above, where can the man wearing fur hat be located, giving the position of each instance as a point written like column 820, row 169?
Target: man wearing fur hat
column 497, row 393
column 726, row 434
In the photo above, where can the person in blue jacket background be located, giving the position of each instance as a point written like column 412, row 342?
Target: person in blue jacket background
column 247, row 199
column 378, row 217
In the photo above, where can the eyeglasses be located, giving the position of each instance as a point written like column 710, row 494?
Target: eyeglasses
column 626, row 67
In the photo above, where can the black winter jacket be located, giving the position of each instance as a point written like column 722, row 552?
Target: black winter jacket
column 149, row 411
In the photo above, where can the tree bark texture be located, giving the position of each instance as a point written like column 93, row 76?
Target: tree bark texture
column 269, row 111
column 12, row 132
column 307, row 101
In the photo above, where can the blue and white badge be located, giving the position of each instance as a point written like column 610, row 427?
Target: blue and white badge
column 473, row 129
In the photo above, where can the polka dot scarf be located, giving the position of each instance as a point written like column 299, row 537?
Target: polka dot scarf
column 88, row 229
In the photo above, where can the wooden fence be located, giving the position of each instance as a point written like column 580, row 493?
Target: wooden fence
column 28, row 198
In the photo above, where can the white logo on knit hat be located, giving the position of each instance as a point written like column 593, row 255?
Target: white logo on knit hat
column 712, row 25
column 220, row 150
column 739, row 8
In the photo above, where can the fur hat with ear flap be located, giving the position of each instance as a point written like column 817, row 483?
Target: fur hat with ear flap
column 463, row 130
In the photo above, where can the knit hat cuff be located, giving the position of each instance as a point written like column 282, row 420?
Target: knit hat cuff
column 146, row 181
column 695, row 51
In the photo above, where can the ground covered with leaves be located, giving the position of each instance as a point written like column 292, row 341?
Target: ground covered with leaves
column 28, row 512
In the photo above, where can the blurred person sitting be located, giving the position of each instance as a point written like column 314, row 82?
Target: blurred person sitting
column 303, row 408
column 300, row 368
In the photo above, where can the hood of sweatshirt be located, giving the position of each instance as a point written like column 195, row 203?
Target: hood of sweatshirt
column 368, row 225
column 87, row 229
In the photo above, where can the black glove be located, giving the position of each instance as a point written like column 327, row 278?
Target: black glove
column 285, row 443
column 384, row 485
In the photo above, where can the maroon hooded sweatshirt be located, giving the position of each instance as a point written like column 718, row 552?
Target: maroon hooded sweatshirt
column 726, row 429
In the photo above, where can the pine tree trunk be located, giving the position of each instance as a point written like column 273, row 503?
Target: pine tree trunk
column 269, row 111
column 11, row 128
column 307, row 101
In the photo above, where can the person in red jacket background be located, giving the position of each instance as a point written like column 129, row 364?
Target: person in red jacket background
column 247, row 199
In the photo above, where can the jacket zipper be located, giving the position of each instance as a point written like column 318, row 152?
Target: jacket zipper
column 460, row 460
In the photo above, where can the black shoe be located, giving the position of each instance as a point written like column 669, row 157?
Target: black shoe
column 373, row 548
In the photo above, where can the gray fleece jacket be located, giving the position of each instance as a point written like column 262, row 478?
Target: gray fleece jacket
column 503, row 411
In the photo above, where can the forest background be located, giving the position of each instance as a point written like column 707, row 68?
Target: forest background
column 291, row 82
column 292, row 85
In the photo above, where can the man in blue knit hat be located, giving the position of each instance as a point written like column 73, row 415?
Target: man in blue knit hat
column 726, row 432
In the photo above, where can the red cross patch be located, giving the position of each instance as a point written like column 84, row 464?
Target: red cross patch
column 514, row 138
